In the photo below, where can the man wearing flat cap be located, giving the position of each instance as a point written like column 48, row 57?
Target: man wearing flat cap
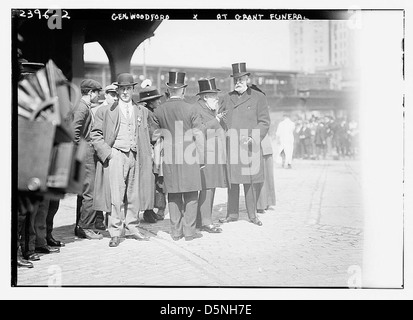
column 213, row 174
column 124, row 183
column 180, row 126
column 82, row 124
column 111, row 96
column 248, row 122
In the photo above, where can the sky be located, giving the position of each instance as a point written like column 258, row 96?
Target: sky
column 215, row 44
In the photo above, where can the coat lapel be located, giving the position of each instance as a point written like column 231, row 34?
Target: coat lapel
column 237, row 101
column 114, row 117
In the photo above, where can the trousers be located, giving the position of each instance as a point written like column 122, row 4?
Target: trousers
column 205, row 206
column 251, row 192
column 182, row 212
column 124, row 215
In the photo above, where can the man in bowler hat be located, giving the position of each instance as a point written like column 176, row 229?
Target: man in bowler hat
column 180, row 125
column 124, row 180
column 247, row 121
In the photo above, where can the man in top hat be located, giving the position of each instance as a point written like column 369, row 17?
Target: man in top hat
column 179, row 124
column 213, row 174
column 150, row 97
column 82, row 124
column 247, row 121
column 124, row 183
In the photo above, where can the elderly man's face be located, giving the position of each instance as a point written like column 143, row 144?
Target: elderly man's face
column 125, row 93
column 241, row 83
column 211, row 100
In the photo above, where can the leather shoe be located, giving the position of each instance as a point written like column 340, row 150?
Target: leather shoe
column 195, row 236
column 139, row 236
column 228, row 219
column 114, row 242
column 32, row 257
column 22, row 263
column 79, row 232
column 149, row 216
column 47, row 250
column 52, row 242
column 211, row 229
column 256, row 221
column 261, row 211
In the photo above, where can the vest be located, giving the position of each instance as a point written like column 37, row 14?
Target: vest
column 126, row 138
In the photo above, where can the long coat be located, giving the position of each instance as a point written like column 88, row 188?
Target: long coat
column 245, row 113
column 181, row 127
column 103, row 134
column 214, row 174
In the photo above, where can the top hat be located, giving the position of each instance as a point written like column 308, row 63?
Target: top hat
column 207, row 86
column 90, row 84
column 176, row 80
column 239, row 70
column 149, row 93
column 125, row 79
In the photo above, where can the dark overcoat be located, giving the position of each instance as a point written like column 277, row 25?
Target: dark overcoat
column 247, row 115
column 180, row 125
column 103, row 134
column 213, row 175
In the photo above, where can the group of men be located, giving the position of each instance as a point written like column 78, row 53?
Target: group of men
column 164, row 148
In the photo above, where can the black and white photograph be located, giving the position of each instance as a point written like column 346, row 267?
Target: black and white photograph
column 159, row 147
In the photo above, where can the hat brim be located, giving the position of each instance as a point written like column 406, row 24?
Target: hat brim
column 176, row 86
column 238, row 75
column 150, row 98
column 209, row 91
column 125, row 84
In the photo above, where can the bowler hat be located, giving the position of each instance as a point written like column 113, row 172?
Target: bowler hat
column 207, row 86
column 239, row 70
column 149, row 93
column 90, row 84
column 125, row 79
column 176, row 80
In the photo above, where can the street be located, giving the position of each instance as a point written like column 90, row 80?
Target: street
column 311, row 238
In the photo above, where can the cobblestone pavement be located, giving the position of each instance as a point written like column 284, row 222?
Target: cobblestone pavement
column 309, row 239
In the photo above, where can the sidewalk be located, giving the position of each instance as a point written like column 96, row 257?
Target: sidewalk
column 310, row 239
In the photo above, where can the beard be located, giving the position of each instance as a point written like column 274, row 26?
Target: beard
column 213, row 105
column 240, row 87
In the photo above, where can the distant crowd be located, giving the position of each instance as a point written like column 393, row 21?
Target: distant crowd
column 326, row 137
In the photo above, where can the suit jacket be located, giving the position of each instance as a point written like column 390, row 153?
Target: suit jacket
column 82, row 121
column 180, row 125
column 244, row 114
column 103, row 135
column 214, row 173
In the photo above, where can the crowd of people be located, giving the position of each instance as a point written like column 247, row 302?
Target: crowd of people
column 156, row 152
column 318, row 138
column 322, row 137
